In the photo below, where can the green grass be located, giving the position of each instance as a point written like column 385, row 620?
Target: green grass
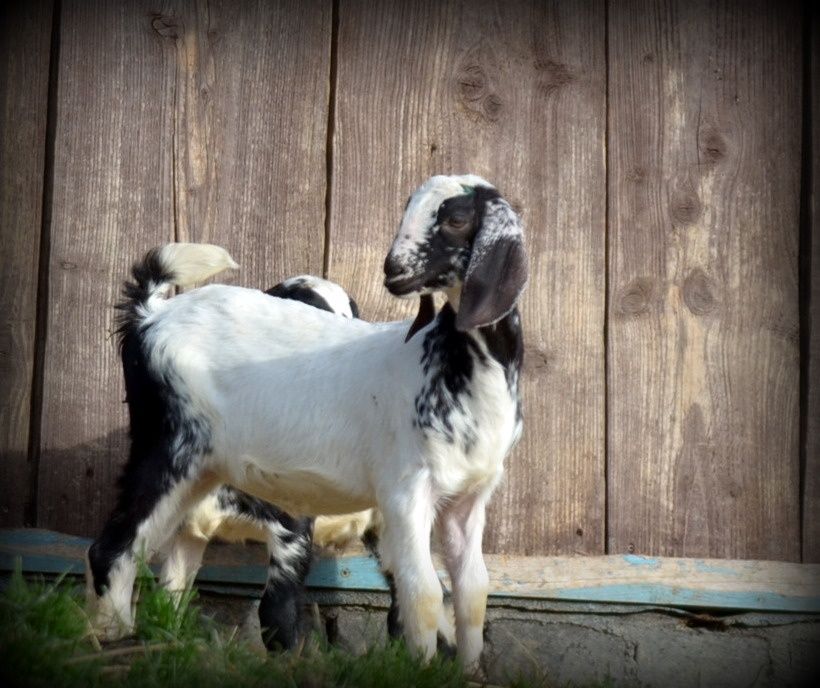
column 45, row 640
column 42, row 627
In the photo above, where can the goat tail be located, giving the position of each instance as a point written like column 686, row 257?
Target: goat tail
column 180, row 264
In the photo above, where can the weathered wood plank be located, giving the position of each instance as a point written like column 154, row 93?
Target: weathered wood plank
column 704, row 141
column 251, row 121
column 112, row 201
column 811, row 487
column 25, row 49
column 662, row 581
column 200, row 123
column 514, row 92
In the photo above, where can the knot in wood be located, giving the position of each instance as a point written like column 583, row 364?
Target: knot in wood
column 698, row 293
column 685, row 207
column 554, row 75
column 537, row 361
column 712, row 145
column 635, row 297
column 492, row 107
column 166, row 26
column 472, row 82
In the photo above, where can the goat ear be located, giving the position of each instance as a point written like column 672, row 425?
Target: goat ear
column 497, row 271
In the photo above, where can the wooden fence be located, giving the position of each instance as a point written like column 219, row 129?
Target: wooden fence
column 663, row 155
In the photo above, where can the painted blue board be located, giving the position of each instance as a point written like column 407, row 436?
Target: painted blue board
column 660, row 595
column 352, row 573
column 52, row 553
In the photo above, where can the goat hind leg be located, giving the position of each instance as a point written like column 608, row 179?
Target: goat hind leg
column 149, row 507
column 461, row 526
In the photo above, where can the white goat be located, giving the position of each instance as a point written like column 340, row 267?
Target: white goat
column 322, row 415
column 231, row 515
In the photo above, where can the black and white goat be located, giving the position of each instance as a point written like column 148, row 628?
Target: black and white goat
column 235, row 516
column 321, row 414
column 317, row 292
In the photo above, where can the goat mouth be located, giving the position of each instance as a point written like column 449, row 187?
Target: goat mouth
column 402, row 286
column 426, row 283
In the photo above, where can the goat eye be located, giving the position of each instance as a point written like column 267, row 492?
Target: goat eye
column 458, row 223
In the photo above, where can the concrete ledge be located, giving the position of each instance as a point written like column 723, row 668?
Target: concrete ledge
column 559, row 643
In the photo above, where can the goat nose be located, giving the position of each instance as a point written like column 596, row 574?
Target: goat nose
column 392, row 267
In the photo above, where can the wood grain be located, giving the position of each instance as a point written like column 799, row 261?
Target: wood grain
column 25, row 48
column 250, row 122
column 514, row 92
column 112, row 201
column 200, row 122
column 811, row 486
column 704, row 160
column 208, row 121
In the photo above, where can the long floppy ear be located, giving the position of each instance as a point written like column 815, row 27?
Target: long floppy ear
column 497, row 271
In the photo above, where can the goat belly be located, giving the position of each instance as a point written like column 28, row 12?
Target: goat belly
column 299, row 492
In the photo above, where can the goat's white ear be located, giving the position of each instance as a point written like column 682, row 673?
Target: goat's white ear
column 497, row 272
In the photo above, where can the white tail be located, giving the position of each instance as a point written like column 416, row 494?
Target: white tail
column 191, row 263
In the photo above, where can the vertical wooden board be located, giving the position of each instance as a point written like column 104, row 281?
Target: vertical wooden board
column 252, row 86
column 514, row 92
column 704, row 163
column 196, row 122
column 25, row 47
column 112, row 201
column 811, row 487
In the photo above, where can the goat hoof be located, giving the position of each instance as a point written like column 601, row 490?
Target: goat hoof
column 110, row 630
column 476, row 674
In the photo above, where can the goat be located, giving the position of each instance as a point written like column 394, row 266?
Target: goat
column 232, row 515
column 317, row 292
column 322, row 414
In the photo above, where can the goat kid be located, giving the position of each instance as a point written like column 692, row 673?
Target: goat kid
column 321, row 414
column 234, row 516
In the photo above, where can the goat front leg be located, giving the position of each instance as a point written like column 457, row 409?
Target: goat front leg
column 405, row 551
column 460, row 528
